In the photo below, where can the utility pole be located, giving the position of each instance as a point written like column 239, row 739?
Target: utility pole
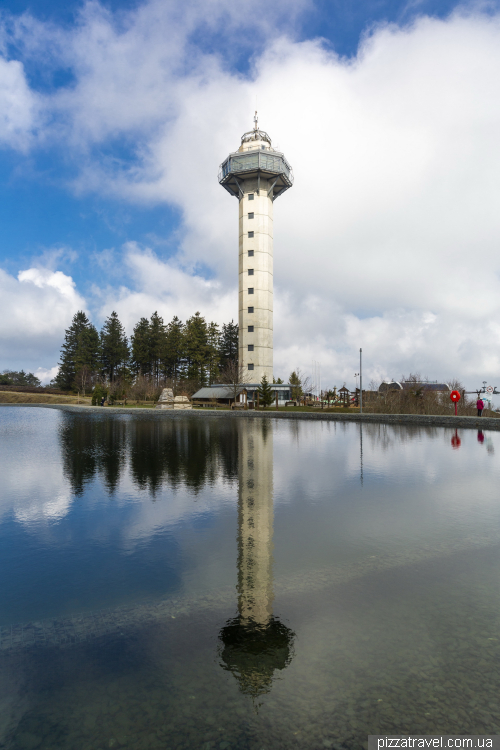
column 360, row 381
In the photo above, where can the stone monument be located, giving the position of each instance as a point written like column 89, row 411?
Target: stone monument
column 167, row 400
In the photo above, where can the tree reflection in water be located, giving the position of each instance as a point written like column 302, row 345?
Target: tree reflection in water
column 91, row 446
column 158, row 451
column 255, row 643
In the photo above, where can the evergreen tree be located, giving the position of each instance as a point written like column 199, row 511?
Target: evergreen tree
column 266, row 395
column 140, row 348
column 89, row 352
column 114, row 347
column 196, row 348
column 13, row 377
column 157, row 345
column 295, row 380
column 80, row 349
column 213, row 352
column 228, row 343
column 174, row 349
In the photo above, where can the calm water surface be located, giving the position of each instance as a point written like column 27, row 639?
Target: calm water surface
column 194, row 581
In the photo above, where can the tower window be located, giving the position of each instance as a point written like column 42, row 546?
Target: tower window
column 250, row 309
column 250, row 253
column 250, row 271
column 250, row 290
column 250, row 347
column 250, row 196
column 250, row 216
column 250, row 329
column 250, row 234
column 250, row 366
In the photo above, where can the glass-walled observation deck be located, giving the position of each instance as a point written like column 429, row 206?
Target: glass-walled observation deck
column 249, row 164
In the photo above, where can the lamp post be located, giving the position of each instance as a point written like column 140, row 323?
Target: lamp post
column 360, row 381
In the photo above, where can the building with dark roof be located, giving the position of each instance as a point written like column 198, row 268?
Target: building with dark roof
column 406, row 385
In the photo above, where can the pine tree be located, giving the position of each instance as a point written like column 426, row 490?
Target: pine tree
column 213, row 352
column 174, row 349
column 157, row 342
column 265, row 392
column 13, row 377
column 140, row 357
column 114, row 347
column 228, row 343
column 196, row 348
column 80, row 349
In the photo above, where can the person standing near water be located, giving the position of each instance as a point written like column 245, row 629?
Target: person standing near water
column 480, row 406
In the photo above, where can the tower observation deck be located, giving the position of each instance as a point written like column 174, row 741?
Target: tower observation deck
column 256, row 174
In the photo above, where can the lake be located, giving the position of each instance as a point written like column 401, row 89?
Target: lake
column 237, row 583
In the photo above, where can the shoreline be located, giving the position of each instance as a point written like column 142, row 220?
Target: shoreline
column 421, row 420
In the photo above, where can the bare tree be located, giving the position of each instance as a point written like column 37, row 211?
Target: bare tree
column 83, row 379
column 145, row 389
column 234, row 376
column 300, row 383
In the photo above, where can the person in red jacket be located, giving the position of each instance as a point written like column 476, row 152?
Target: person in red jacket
column 480, row 406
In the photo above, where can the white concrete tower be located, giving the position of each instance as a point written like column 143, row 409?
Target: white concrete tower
column 256, row 174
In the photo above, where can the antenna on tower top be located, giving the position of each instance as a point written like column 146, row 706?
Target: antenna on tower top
column 255, row 121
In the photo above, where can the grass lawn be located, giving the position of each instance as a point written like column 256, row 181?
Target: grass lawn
column 15, row 397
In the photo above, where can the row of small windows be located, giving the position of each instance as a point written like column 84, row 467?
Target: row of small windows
column 250, row 291
column 250, row 346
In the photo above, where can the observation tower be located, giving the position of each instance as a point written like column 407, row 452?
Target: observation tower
column 256, row 174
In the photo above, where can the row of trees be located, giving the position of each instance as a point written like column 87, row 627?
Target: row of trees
column 19, row 377
column 193, row 352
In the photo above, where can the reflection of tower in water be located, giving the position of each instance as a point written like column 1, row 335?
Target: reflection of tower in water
column 255, row 642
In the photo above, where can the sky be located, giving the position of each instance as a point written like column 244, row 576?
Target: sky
column 114, row 118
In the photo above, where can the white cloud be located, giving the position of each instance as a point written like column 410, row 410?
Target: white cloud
column 166, row 287
column 389, row 238
column 45, row 375
column 37, row 307
column 18, row 106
